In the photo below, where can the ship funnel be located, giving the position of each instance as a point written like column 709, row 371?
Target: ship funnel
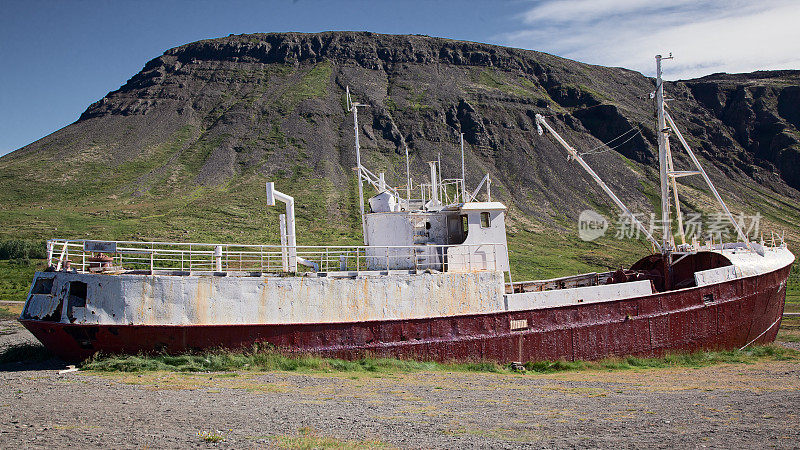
column 290, row 246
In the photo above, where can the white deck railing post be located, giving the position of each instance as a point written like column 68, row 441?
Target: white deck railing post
column 218, row 258
column 49, row 253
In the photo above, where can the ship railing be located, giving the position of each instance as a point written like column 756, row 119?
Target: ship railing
column 157, row 257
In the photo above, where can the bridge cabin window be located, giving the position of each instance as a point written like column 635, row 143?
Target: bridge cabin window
column 485, row 219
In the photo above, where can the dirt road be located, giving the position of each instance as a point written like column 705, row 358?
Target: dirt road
column 730, row 406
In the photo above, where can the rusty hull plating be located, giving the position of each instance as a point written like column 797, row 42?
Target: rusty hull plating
column 732, row 314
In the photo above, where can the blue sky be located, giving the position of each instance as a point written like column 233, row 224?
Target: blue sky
column 60, row 56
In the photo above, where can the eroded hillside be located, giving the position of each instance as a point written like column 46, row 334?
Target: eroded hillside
column 183, row 149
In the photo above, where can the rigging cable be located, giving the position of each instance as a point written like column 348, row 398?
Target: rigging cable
column 606, row 144
column 592, row 185
column 594, row 150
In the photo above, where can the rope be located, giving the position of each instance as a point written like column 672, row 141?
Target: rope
column 765, row 332
column 602, row 144
column 595, row 150
column 605, row 144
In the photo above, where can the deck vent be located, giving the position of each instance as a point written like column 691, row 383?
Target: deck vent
column 521, row 324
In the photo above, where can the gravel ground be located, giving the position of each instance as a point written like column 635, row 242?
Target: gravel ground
column 743, row 405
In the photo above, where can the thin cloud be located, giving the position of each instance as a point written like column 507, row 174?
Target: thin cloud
column 592, row 10
column 706, row 37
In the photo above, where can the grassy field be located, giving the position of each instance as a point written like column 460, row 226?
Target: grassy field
column 15, row 279
column 790, row 329
column 268, row 360
column 793, row 290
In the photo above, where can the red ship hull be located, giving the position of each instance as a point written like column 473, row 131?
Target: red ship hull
column 728, row 315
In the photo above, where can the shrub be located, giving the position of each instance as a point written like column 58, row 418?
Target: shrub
column 20, row 249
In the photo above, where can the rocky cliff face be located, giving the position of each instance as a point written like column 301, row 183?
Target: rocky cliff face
column 762, row 112
column 215, row 118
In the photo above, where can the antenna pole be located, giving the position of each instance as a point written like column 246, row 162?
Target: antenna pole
column 439, row 164
column 408, row 175
column 354, row 108
column 663, row 154
column 463, row 173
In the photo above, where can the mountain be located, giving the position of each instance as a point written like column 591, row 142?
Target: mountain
column 182, row 150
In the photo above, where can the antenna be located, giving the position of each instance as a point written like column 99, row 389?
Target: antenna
column 408, row 175
column 463, row 173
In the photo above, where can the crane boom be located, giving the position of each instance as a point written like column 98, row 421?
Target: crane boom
column 540, row 122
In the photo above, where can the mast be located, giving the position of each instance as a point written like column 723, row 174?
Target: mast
column 439, row 166
column 669, row 174
column 700, row 171
column 663, row 156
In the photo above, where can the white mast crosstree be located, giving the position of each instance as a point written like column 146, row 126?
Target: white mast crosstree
column 666, row 170
column 669, row 174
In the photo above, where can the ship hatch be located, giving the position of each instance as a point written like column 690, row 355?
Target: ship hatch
column 76, row 298
column 43, row 286
column 458, row 226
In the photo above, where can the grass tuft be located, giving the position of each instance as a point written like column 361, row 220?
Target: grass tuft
column 253, row 359
column 693, row 359
column 268, row 359
column 6, row 314
column 308, row 438
column 24, row 352
column 211, row 436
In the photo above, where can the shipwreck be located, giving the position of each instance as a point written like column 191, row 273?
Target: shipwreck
column 432, row 281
